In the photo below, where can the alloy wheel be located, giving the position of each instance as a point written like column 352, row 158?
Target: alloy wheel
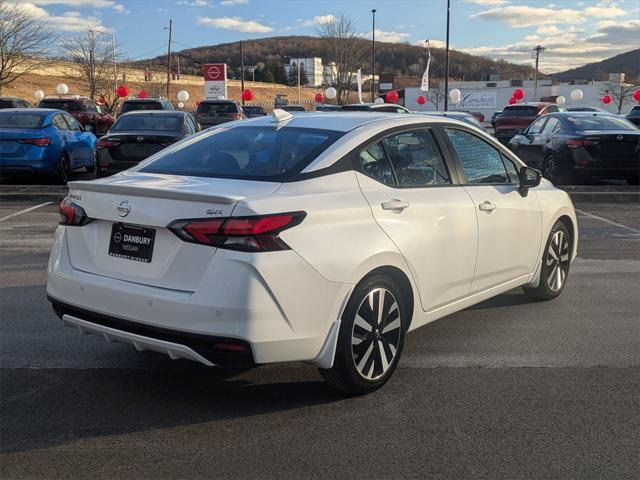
column 557, row 261
column 375, row 336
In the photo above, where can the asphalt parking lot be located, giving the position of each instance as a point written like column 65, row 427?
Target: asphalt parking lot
column 506, row 389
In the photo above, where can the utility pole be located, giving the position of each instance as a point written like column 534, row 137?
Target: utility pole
column 169, row 57
column 537, row 50
column 242, row 71
column 298, row 81
column 446, row 62
column 373, row 58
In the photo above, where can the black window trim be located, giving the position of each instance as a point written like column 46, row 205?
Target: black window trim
column 494, row 143
column 544, row 120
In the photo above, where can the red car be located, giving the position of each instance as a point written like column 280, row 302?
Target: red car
column 515, row 118
column 83, row 109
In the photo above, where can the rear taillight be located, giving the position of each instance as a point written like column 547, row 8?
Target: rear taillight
column 72, row 214
column 40, row 142
column 581, row 142
column 248, row 234
column 107, row 143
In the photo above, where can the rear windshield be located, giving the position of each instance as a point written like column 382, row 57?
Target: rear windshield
column 293, row 108
column 253, row 109
column 600, row 123
column 8, row 103
column 520, row 111
column 214, row 108
column 131, row 106
column 252, row 153
column 355, row 108
column 66, row 105
column 145, row 122
column 20, row 120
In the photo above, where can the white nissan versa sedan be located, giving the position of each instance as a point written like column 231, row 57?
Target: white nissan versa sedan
column 320, row 237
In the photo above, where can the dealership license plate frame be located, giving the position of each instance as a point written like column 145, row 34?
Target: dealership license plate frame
column 130, row 247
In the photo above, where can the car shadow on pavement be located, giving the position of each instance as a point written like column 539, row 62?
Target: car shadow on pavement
column 509, row 299
column 48, row 407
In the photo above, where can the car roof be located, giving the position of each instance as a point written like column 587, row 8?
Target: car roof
column 66, row 99
column 11, row 98
column 580, row 114
column 143, row 100
column 32, row 110
column 338, row 121
column 164, row 113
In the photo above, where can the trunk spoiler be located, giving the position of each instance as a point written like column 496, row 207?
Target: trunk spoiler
column 153, row 192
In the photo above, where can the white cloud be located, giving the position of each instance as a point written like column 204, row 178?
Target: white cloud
column 71, row 21
column 393, row 37
column 548, row 30
column 488, row 2
column 121, row 9
column 194, row 3
column 520, row 16
column 235, row 23
column 433, row 43
column 75, row 3
column 570, row 48
column 319, row 20
column 230, row 3
column 604, row 12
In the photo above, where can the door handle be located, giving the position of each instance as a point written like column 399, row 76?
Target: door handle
column 394, row 204
column 487, row 206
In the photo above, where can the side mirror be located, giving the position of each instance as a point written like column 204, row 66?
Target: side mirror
column 88, row 128
column 529, row 178
column 520, row 131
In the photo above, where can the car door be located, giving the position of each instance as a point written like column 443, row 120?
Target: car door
column 416, row 199
column 80, row 143
column 529, row 146
column 509, row 222
column 63, row 130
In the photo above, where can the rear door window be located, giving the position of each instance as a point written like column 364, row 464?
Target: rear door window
column 553, row 125
column 59, row 122
column 536, row 127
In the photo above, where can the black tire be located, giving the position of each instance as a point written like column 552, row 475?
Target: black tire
column 63, row 170
column 553, row 171
column 556, row 260
column 94, row 167
column 355, row 371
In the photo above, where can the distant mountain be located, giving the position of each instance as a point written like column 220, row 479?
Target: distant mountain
column 401, row 58
column 628, row 63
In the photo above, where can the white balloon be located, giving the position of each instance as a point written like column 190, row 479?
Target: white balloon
column 330, row 93
column 39, row 94
column 379, row 100
column 180, row 105
column 454, row 95
column 577, row 94
column 560, row 100
column 183, row 96
column 62, row 89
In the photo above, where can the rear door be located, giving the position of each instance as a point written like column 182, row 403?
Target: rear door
column 415, row 199
column 80, row 142
column 530, row 145
column 509, row 224
column 69, row 143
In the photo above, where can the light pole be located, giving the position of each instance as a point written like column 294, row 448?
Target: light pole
column 241, row 72
column 537, row 51
column 446, row 62
column 169, row 56
column 373, row 58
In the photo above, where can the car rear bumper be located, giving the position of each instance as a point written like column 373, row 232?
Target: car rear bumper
column 243, row 299
column 587, row 166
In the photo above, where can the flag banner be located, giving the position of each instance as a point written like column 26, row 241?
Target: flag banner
column 425, row 77
column 359, row 80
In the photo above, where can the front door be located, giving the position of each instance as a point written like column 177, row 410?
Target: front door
column 532, row 144
column 509, row 223
column 432, row 221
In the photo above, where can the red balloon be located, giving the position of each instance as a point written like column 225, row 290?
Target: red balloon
column 392, row 96
column 319, row 98
column 197, row 103
column 421, row 100
column 122, row 91
column 518, row 94
column 513, row 100
column 606, row 99
column 636, row 95
column 247, row 95
column 143, row 94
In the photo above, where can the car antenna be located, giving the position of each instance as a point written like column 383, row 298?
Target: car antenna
column 278, row 115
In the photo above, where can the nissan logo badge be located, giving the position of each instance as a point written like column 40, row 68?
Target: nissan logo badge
column 619, row 137
column 124, row 208
column 140, row 139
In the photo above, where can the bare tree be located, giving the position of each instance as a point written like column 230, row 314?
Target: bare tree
column 91, row 56
column 436, row 93
column 24, row 40
column 345, row 52
column 619, row 91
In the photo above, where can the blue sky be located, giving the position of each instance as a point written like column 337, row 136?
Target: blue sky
column 574, row 32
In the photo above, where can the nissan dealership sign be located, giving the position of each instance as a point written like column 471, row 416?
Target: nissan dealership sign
column 478, row 99
column 215, row 80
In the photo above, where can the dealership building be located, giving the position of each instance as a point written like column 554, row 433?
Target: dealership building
column 493, row 94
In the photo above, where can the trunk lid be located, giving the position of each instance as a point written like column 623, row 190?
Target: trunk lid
column 613, row 145
column 139, row 145
column 152, row 201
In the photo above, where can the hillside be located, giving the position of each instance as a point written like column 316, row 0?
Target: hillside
column 403, row 59
column 628, row 63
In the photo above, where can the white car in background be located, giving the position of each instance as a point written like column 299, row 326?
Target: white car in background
column 320, row 237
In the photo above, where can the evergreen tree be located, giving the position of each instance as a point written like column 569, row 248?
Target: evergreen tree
column 303, row 76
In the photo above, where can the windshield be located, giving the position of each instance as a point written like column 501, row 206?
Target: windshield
column 599, row 123
column 253, row 153
column 132, row 106
column 8, row 103
column 520, row 111
column 66, row 105
column 20, row 120
column 214, row 108
column 145, row 122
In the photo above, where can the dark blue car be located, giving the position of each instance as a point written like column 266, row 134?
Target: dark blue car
column 41, row 141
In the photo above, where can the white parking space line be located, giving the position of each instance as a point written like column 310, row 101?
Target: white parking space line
column 26, row 210
column 606, row 220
